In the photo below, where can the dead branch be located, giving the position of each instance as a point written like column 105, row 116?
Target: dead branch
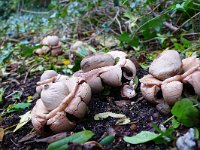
column 167, row 24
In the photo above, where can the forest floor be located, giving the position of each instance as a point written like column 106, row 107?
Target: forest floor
column 141, row 113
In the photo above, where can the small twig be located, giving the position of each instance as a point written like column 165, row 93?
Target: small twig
column 63, row 1
column 170, row 118
column 27, row 73
column 188, row 34
column 187, row 21
column 33, row 12
column 115, row 18
column 11, row 94
column 14, row 143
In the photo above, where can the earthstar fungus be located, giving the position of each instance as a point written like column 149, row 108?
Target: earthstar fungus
column 168, row 75
column 64, row 99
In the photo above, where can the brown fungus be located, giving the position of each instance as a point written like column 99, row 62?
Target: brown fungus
column 64, row 100
column 50, row 44
column 167, row 75
column 166, row 65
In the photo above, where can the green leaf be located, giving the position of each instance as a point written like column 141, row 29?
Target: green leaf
column 165, row 137
column 82, row 52
column 27, row 50
column 186, row 113
column 17, row 107
column 80, row 137
column 1, row 94
column 77, row 62
column 125, row 38
column 179, row 46
column 151, row 26
column 107, row 140
column 175, row 123
column 6, row 52
column 186, row 43
column 17, row 95
column 196, row 133
column 142, row 137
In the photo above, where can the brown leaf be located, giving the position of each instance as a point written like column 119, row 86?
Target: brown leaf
column 53, row 138
column 27, row 137
column 1, row 134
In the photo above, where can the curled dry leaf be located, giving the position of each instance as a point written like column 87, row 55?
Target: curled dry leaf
column 123, row 120
column 104, row 115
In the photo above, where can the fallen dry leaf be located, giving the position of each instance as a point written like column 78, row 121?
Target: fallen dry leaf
column 1, row 134
column 24, row 120
column 104, row 115
column 123, row 120
column 53, row 138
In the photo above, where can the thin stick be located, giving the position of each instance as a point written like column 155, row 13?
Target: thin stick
column 33, row 12
column 187, row 21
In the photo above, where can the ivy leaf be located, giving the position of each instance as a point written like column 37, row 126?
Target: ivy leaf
column 17, row 107
column 82, row 52
column 186, row 113
column 80, row 137
column 125, row 38
column 27, row 50
column 142, row 137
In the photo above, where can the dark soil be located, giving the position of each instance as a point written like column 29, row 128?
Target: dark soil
column 142, row 114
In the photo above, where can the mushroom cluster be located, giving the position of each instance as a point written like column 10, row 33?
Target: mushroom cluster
column 167, row 75
column 50, row 44
column 64, row 99
column 110, row 68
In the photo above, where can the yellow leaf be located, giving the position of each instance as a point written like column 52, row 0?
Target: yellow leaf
column 66, row 62
column 108, row 114
column 29, row 99
column 24, row 120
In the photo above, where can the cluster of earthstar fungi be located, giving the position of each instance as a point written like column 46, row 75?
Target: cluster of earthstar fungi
column 64, row 99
